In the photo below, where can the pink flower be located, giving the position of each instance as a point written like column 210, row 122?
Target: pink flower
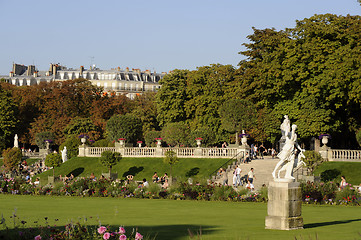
column 106, row 236
column 101, row 229
column 122, row 237
column 138, row 236
column 37, row 237
column 121, row 230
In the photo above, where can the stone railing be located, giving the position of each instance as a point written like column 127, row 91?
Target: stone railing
column 344, row 155
column 86, row 151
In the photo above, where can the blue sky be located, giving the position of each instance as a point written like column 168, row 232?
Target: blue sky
column 159, row 35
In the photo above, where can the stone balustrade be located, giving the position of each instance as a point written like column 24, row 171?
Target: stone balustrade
column 344, row 155
column 86, row 151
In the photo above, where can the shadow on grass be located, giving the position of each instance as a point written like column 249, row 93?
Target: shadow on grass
column 192, row 172
column 321, row 224
column 133, row 171
column 161, row 232
column 76, row 172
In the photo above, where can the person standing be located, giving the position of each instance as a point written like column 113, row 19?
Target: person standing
column 343, row 182
column 251, row 176
column 261, row 151
column 238, row 174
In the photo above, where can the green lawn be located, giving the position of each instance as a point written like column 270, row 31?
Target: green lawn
column 170, row 219
column 139, row 167
column 351, row 170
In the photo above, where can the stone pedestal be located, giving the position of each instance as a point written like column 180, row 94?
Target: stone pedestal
column 284, row 205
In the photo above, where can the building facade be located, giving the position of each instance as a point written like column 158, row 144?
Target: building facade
column 127, row 82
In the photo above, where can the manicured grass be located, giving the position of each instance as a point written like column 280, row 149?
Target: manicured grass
column 139, row 167
column 351, row 170
column 171, row 219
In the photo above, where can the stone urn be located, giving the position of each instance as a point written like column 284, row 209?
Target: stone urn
column 83, row 140
column 121, row 142
column 324, row 140
column 244, row 137
column 159, row 142
column 199, row 141
column 139, row 143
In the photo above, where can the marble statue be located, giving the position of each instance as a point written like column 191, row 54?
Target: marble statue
column 291, row 154
column 64, row 156
column 16, row 143
column 285, row 127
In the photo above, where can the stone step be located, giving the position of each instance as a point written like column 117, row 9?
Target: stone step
column 262, row 170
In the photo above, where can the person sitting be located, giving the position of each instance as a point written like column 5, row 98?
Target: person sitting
column 145, row 183
column 37, row 182
column 165, row 185
column 165, row 177
column 155, row 177
column 92, row 177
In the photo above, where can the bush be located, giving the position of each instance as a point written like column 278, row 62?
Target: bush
column 124, row 126
column 12, row 158
column 72, row 145
column 312, row 160
column 330, row 174
column 110, row 159
column 41, row 137
column 53, row 160
column 103, row 143
column 150, row 136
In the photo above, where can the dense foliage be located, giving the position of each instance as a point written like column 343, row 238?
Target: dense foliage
column 12, row 158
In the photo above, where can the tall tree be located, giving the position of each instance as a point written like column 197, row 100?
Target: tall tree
column 8, row 119
column 171, row 97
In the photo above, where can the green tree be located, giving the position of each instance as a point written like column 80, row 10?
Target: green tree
column 171, row 97
column 146, row 110
column 41, row 137
column 170, row 158
column 311, row 70
column 109, row 159
column 312, row 160
column 72, row 146
column 150, row 136
column 206, row 91
column 8, row 119
column 358, row 136
column 207, row 134
column 176, row 133
column 237, row 115
column 12, row 158
column 86, row 126
column 53, row 160
column 125, row 126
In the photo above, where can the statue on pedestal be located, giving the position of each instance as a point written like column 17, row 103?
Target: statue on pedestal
column 291, row 153
column 64, row 155
column 16, row 143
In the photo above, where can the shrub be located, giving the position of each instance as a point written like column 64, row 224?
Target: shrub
column 12, row 158
column 312, row 160
column 53, row 160
column 72, row 145
column 41, row 137
column 102, row 143
column 330, row 174
column 150, row 136
column 171, row 159
column 110, row 159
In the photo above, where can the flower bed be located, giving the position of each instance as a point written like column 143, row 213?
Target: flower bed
column 315, row 193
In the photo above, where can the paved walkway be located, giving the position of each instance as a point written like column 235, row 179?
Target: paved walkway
column 262, row 169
